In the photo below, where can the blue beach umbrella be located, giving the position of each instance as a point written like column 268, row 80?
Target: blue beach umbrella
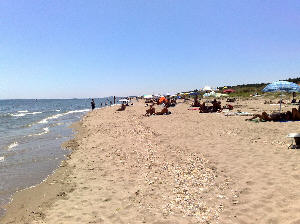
column 282, row 86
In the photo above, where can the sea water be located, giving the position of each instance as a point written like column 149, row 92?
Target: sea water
column 31, row 134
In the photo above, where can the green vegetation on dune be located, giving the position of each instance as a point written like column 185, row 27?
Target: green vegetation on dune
column 246, row 90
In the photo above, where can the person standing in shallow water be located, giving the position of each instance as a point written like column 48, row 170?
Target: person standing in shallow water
column 93, row 104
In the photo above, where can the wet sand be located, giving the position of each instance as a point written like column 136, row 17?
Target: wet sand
column 182, row 168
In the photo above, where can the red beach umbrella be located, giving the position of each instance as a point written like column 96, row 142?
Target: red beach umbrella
column 229, row 91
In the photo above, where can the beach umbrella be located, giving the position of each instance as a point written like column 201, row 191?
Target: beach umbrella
column 228, row 91
column 162, row 100
column 282, row 86
column 194, row 93
column 207, row 88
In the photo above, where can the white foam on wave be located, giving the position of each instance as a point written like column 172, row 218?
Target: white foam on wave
column 13, row 145
column 38, row 112
column 46, row 120
column 77, row 111
column 18, row 115
column 1, row 159
column 45, row 131
column 24, row 113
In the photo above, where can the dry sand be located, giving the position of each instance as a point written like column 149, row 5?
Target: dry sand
column 182, row 168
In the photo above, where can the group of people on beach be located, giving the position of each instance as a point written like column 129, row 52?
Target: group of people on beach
column 293, row 115
column 165, row 102
column 151, row 111
column 215, row 107
column 93, row 104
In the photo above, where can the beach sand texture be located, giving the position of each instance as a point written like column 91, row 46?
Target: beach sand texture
column 182, row 168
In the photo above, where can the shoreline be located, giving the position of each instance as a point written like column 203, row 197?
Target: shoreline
column 28, row 204
column 17, row 209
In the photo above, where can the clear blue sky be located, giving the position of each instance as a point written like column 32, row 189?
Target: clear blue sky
column 95, row 48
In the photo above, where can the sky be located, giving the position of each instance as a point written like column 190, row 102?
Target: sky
column 98, row 48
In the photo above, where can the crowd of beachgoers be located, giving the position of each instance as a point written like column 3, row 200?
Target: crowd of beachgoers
column 212, row 105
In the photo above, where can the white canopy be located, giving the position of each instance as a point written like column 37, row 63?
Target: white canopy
column 123, row 100
column 207, row 88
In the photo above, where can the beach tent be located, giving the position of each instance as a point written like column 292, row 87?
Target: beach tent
column 218, row 95
column 148, row 96
column 213, row 94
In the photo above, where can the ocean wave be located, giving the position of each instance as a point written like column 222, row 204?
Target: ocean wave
column 77, row 111
column 45, row 131
column 46, row 120
column 1, row 159
column 13, row 145
column 23, row 113
column 18, row 115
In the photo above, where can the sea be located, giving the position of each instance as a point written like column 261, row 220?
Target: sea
column 31, row 134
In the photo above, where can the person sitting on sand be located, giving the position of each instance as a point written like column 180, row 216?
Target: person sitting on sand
column 216, row 106
column 231, row 100
column 164, row 111
column 203, row 108
column 268, row 102
column 123, row 107
column 150, row 111
column 296, row 114
column 196, row 102
column 228, row 106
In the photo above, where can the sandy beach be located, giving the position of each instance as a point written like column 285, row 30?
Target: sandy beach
column 185, row 167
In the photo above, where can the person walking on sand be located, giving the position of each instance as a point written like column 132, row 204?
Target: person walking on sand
column 93, row 104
